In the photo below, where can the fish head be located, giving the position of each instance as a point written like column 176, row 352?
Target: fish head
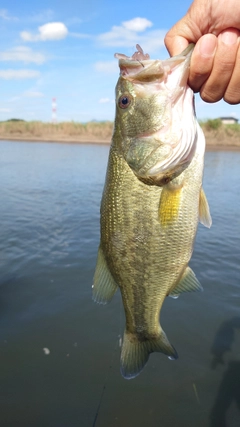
column 155, row 117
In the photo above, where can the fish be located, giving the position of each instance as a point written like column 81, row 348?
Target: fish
column 152, row 201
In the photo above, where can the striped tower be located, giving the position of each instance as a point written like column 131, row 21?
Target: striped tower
column 54, row 110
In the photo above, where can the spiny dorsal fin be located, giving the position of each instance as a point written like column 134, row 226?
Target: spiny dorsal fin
column 204, row 211
column 188, row 283
column 169, row 204
column 104, row 286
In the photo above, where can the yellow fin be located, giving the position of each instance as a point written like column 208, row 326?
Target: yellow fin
column 169, row 203
column 104, row 286
column 204, row 211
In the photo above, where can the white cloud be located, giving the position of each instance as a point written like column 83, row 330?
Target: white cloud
column 137, row 24
column 131, row 32
column 33, row 94
column 18, row 74
column 153, row 41
column 14, row 99
column 106, row 66
column 50, row 31
column 4, row 15
column 118, row 36
column 22, row 53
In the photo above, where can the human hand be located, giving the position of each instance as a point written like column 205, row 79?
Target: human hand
column 214, row 25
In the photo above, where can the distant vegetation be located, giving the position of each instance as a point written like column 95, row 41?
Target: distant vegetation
column 211, row 124
column 72, row 131
column 15, row 120
column 220, row 134
column 216, row 133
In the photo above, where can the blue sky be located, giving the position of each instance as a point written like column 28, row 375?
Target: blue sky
column 66, row 50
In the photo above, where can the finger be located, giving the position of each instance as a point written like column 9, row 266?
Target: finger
column 175, row 45
column 232, row 93
column 224, row 61
column 202, row 61
column 180, row 35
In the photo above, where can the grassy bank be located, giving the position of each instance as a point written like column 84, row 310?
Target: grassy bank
column 221, row 135
column 64, row 131
column 217, row 134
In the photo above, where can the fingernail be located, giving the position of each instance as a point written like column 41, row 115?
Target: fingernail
column 207, row 45
column 229, row 37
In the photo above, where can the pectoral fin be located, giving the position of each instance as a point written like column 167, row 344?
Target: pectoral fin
column 169, row 204
column 188, row 283
column 104, row 286
column 204, row 211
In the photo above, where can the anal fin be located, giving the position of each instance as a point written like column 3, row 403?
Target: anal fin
column 188, row 283
column 104, row 286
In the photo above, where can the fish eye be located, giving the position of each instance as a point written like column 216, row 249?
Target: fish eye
column 124, row 101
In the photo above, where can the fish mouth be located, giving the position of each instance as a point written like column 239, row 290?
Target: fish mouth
column 140, row 68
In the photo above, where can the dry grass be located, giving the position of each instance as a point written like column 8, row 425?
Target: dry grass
column 216, row 133
column 65, row 131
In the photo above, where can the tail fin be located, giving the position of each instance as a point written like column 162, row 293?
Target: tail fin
column 135, row 353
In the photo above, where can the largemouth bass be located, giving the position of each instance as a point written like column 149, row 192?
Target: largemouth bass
column 152, row 200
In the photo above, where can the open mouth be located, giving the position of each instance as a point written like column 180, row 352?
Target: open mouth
column 139, row 67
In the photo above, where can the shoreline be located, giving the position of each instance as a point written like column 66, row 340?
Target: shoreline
column 95, row 141
column 222, row 147
column 57, row 140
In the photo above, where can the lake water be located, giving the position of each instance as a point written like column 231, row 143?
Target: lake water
column 49, row 233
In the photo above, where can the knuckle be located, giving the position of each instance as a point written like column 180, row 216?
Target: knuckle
column 232, row 92
column 210, row 96
column 231, row 97
column 197, row 79
column 225, row 66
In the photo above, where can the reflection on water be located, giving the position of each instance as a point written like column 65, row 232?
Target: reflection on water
column 49, row 234
column 224, row 340
column 229, row 390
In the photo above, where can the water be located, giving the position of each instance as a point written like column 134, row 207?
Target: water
column 49, row 228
